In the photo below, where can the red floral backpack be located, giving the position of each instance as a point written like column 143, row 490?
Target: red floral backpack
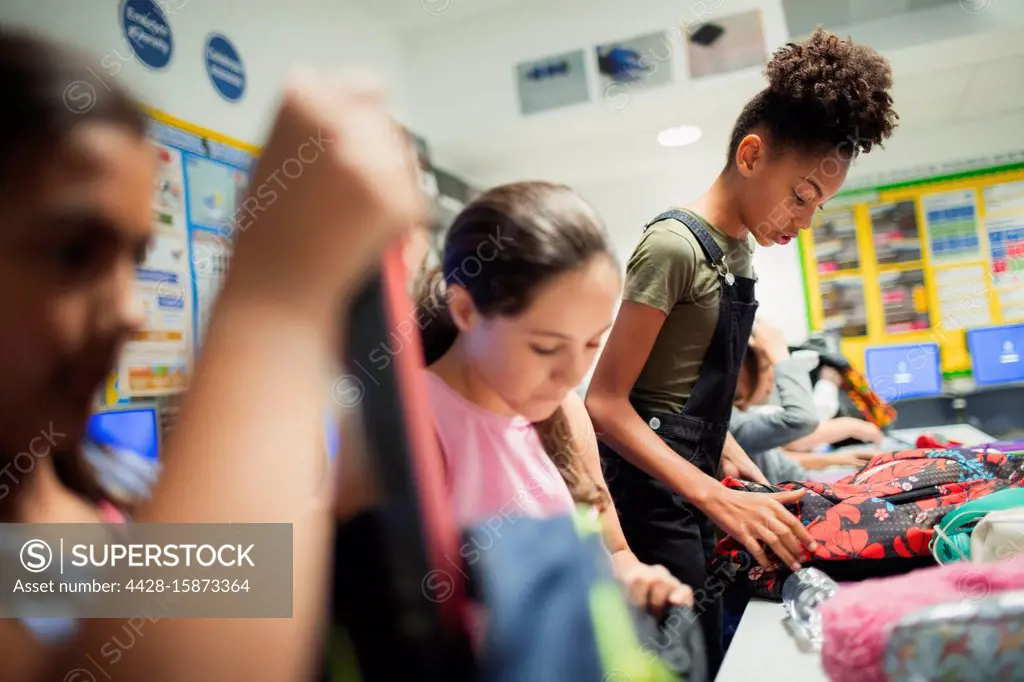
column 880, row 520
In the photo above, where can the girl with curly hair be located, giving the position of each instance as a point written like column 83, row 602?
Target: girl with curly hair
column 662, row 393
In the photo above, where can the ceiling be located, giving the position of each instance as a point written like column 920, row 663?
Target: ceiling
column 413, row 15
column 803, row 15
column 952, row 69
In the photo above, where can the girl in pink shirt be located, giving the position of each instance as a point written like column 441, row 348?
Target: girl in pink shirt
column 511, row 324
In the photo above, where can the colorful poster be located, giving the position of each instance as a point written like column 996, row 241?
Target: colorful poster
column 198, row 180
column 552, row 82
column 895, row 233
column 963, row 297
column 835, row 242
column 214, row 191
column 951, row 224
column 1006, row 243
column 156, row 360
column 904, row 301
column 842, row 303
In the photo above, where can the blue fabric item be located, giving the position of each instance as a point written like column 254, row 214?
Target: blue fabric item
column 51, row 631
column 536, row 584
column 964, row 641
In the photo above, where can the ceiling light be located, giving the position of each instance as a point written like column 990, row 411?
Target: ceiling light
column 680, row 136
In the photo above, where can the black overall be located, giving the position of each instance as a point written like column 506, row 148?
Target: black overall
column 660, row 526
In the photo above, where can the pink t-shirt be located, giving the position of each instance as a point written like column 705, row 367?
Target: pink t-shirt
column 496, row 466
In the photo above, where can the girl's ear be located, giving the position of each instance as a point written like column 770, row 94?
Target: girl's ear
column 461, row 307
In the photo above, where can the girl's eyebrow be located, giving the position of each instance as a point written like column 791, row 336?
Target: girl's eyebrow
column 560, row 335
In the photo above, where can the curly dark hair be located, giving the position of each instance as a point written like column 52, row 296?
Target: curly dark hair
column 823, row 93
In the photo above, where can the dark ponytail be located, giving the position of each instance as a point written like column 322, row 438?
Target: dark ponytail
column 556, row 435
column 439, row 330
column 504, row 246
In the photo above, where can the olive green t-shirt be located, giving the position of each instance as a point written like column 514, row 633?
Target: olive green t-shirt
column 669, row 271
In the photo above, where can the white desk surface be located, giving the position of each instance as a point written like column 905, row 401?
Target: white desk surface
column 764, row 649
column 963, row 433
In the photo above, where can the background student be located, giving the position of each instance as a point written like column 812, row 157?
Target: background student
column 505, row 349
column 661, row 396
column 76, row 217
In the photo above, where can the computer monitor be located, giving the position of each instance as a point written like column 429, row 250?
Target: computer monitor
column 904, row 371
column 132, row 427
column 997, row 354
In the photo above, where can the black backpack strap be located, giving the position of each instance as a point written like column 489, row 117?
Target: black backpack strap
column 713, row 252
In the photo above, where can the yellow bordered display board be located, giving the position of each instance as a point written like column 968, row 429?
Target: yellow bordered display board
column 918, row 262
column 201, row 177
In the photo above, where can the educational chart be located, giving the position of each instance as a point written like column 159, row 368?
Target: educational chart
column 963, row 297
column 835, row 243
column 895, row 233
column 156, row 359
column 194, row 204
column 951, row 226
column 1004, row 222
column 921, row 261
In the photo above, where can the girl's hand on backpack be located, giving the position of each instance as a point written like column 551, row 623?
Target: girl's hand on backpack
column 335, row 185
column 654, row 588
column 736, row 463
column 759, row 520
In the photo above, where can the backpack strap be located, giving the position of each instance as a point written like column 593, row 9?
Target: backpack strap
column 712, row 251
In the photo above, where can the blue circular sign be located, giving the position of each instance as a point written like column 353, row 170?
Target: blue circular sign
column 147, row 32
column 224, row 67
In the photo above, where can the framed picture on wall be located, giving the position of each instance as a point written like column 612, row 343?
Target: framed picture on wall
column 904, row 301
column 835, row 242
column 842, row 306
column 895, row 233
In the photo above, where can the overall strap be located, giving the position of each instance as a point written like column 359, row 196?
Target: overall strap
column 713, row 252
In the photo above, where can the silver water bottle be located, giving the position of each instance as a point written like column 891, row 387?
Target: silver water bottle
column 802, row 595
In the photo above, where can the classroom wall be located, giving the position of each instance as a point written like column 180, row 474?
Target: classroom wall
column 270, row 37
column 470, row 61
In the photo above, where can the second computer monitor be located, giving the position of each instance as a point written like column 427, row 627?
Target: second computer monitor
column 997, row 354
column 904, row 371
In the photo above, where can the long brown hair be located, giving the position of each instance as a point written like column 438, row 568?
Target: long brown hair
column 504, row 246
column 48, row 92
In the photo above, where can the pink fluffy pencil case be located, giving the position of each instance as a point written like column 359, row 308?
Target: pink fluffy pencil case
column 857, row 621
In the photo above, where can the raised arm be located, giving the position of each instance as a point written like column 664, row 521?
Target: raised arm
column 248, row 446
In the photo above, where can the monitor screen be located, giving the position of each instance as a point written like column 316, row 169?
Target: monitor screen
column 132, row 429
column 904, row 371
column 997, row 354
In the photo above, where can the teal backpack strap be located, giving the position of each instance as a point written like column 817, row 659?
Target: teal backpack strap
column 951, row 541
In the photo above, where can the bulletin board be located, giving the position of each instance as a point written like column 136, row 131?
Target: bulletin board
column 918, row 262
column 202, row 177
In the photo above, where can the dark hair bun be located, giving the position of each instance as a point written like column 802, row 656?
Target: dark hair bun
column 845, row 86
